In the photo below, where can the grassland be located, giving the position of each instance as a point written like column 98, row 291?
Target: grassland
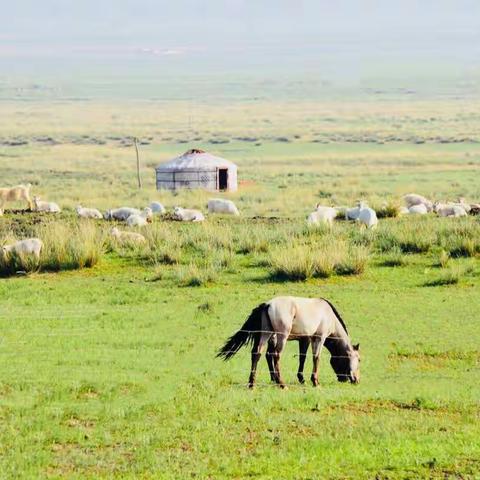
column 110, row 370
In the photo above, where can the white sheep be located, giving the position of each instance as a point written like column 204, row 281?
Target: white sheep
column 141, row 219
column 188, row 215
column 42, row 206
column 11, row 194
column 412, row 199
column 367, row 216
column 127, row 237
column 29, row 246
column 121, row 213
column 83, row 212
column 461, row 203
column 157, row 208
column 404, row 211
column 352, row 213
column 419, row 209
column 220, row 205
column 322, row 214
column 445, row 210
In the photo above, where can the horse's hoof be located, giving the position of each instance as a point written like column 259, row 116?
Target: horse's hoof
column 283, row 386
column 301, row 379
column 250, row 386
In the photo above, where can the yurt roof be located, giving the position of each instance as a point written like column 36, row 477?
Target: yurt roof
column 195, row 159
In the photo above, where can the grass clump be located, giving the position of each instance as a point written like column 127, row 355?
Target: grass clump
column 443, row 259
column 389, row 209
column 194, row 275
column 355, row 262
column 296, row 263
column 302, row 262
column 451, row 276
column 396, row 258
column 68, row 247
column 65, row 247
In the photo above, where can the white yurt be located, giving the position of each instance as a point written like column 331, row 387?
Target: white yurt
column 197, row 169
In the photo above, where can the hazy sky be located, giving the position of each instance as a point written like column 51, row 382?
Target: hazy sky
column 283, row 33
column 58, row 24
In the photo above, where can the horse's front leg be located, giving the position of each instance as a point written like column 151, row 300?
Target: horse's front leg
column 302, row 354
column 317, row 344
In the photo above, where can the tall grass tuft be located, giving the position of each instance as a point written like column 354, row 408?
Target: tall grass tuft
column 328, row 258
column 396, row 258
column 389, row 209
column 295, row 263
column 193, row 275
column 355, row 261
column 68, row 247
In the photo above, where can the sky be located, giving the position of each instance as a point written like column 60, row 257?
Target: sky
column 288, row 35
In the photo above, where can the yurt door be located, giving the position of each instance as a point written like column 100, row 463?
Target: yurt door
column 222, row 178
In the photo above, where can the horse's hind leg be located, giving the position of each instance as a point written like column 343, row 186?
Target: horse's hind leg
column 302, row 355
column 281, row 341
column 258, row 343
column 269, row 356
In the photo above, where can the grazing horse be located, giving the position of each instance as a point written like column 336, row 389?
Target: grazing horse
column 308, row 320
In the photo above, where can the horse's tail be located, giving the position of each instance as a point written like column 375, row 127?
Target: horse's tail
column 250, row 329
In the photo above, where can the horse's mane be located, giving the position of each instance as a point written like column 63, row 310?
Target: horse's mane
column 335, row 311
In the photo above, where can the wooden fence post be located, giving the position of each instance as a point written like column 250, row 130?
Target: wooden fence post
column 135, row 140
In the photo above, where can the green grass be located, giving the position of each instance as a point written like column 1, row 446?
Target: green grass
column 110, row 370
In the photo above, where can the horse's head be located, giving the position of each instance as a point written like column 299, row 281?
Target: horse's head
column 347, row 367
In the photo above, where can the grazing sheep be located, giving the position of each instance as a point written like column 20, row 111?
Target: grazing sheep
column 419, row 209
column 474, row 209
column 219, row 205
column 157, row 208
column 461, row 203
column 141, row 219
column 19, row 192
column 367, row 216
column 29, row 246
column 188, row 215
column 127, row 237
column 352, row 213
column 322, row 215
column 121, row 213
column 445, row 210
column 88, row 212
column 42, row 206
column 412, row 199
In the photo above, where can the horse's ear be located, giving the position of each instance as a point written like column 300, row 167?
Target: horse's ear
column 356, row 347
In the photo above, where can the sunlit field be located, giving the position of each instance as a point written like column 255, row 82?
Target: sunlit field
column 108, row 351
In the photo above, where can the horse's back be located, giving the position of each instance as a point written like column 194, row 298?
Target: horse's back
column 299, row 316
